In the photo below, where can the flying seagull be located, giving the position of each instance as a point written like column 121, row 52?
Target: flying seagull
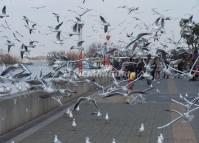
column 56, row 28
column 32, row 28
column 105, row 23
column 38, row 7
column 3, row 14
column 9, row 44
column 88, row 99
column 58, row 37
column 137, row 38
column 57, row 16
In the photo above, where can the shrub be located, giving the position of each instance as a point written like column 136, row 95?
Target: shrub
column 8, row 59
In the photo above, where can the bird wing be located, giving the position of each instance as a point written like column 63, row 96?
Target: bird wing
column 174, row 111
column 16, row 37
column 85, row 12
column 9, row 46
column 194, row 64
column 80, row 43
column 115, row 94
column 105, row 28
column 102, row 19
column 138, row 37
column 129, row 84
column 22, row 54
column 193, row 110
column 177, row 102
column 58, row 35
column 4, row 10
column 78, row 102
column 162, row 23
column 95, row 103
column 173, row 121
column 58, row 26
column 34, row 25
column 157, row 21
column 75, row 27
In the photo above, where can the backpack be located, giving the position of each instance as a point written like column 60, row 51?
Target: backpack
column 132, row 76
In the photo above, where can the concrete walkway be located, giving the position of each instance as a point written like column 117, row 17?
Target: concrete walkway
column 124, row 121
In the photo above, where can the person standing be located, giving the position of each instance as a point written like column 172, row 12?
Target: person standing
column 157, row 69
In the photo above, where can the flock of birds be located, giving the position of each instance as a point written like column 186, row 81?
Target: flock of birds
column 64, row 71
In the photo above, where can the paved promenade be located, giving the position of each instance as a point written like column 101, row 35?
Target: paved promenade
column 125, row 119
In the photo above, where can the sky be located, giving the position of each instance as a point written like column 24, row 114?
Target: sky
column 121, row 22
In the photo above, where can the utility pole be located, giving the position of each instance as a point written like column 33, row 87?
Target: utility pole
column 106, row 60
column 80, row 27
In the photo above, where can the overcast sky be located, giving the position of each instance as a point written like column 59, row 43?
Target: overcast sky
column 121, row 22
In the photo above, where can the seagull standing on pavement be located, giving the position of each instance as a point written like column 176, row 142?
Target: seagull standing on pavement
column 113, row 141
column 161, row 137
column 56, row 140
column 70, row 115
column 68, row 111
column 87, row 140
column 107, row 117
column 141, row 130
column 74, row 124
column 88, row 99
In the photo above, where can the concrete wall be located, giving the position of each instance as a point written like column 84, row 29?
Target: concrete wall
column 20, row 109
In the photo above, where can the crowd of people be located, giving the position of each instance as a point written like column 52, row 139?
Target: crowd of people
column 133, row 68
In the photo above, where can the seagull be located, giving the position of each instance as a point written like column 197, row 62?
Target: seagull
column 161, row 137
column 137, row 38
column 58, row 99
column 99, row 114
column 113, row 141
column 57, row 16
column 133, row 9
column 26, row 19
column 77, row 109
column 187, row 75
column 32, row 45
column 88, row 99
column 159, row 140
column 79, row 44
column 15, row 37
column 56, row 28
column 38, row 7
column 189, row 104
column 74, row 124
column 141, row 129
column 10, row 69
column 32, row 28
column 68, row 111
column 107, row 117
column 186, row 116
column 70, row 114
column 158, row 91
column 5, row 90
column 9, row 44
column 105, row 23
column 56, row 140
column 3, row 14
column 59, row 40
column 87, row 140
